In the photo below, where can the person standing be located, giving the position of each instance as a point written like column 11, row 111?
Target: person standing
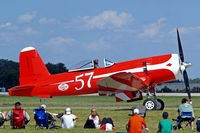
column 136, row 123
column 165, row 125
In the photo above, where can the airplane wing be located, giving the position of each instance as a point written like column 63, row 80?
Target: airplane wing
column 124, row 86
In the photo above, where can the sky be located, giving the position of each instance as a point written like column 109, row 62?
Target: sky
column 70, row 31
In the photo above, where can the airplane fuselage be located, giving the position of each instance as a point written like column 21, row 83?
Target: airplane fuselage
column 152, row 70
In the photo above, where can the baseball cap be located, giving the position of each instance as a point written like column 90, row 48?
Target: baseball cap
column 68, row 111
column 43, row 106
column 136, row 111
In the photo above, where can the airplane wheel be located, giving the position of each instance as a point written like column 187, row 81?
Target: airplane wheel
column 150, row 104
column 160, row 104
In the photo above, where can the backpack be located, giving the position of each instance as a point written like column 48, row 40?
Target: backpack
column 41, row 117
column 18, row 118
column 198, row 124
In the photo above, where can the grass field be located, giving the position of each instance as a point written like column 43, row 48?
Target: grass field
column 118, row 114
column 90, row 100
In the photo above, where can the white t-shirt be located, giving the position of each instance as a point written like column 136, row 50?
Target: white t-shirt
column 2, row 116
column 68, row 121
column 96, row 120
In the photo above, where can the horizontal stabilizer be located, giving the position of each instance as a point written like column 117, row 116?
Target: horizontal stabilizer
column 21, row 91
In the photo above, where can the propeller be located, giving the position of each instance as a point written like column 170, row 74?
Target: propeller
column 183, row 67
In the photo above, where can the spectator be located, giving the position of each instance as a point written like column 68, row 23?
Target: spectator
column 186, row 107
column 136, row 123
column 2, row 117
column 69, row 119
column 95, row 117
column 18, row 116
column 165, row 125
column 107, row 124
column 50, row 116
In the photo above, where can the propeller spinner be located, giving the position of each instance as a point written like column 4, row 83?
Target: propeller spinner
column 183, row 67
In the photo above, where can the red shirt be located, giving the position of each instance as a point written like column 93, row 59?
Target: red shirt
column 135, row 124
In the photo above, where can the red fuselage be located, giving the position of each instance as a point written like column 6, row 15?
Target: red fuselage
column 152, row 70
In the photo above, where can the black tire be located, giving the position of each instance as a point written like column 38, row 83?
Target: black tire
column 160, row 104
column 150, row 104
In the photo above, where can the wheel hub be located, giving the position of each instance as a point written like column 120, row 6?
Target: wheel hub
column 149, row 105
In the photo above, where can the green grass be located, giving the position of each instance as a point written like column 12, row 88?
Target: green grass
column 120, row 117
column 89, row 100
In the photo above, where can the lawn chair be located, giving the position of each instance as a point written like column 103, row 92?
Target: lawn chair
column 42, row 120
column 184, row 121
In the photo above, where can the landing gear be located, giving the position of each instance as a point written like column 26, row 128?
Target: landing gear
column 150, row 104
column 160, row 104
column 153, row 103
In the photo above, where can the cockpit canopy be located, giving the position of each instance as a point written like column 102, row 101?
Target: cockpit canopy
column 90, row 64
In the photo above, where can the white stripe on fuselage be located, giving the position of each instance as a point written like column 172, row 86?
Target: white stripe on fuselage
column 63, row 82
column 173, row 68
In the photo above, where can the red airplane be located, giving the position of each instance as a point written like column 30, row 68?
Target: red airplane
column 125, row 80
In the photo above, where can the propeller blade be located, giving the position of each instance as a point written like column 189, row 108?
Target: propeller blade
column 187, row 85
column 180, row 47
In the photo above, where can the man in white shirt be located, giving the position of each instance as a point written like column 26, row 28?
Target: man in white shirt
column 69, row 119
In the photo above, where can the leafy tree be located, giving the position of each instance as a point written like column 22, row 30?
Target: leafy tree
column 56, row 68
column 166, row 89
column 9, row 73
column 196, row 80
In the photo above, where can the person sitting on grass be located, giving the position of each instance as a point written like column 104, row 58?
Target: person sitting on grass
column 93, row 120
column 165, row 125
column 136, row 123
column 95, row 117
column 68, row 119
column 2, row 118
column 107, row 124
column 18, row 116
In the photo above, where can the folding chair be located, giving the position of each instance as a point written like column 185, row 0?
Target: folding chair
column 41, row 119
column 183, row 121
column 186, row 119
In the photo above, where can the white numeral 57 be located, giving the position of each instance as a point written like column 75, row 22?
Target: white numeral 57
column 78, row 79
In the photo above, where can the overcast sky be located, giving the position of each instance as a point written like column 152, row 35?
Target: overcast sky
column 70, row 31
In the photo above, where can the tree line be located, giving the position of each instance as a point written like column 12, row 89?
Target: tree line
column 9, row 72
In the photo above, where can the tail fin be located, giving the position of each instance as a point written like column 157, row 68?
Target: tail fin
column 31, row 66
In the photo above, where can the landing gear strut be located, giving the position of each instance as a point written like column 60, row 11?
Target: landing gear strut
column 153, row 104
